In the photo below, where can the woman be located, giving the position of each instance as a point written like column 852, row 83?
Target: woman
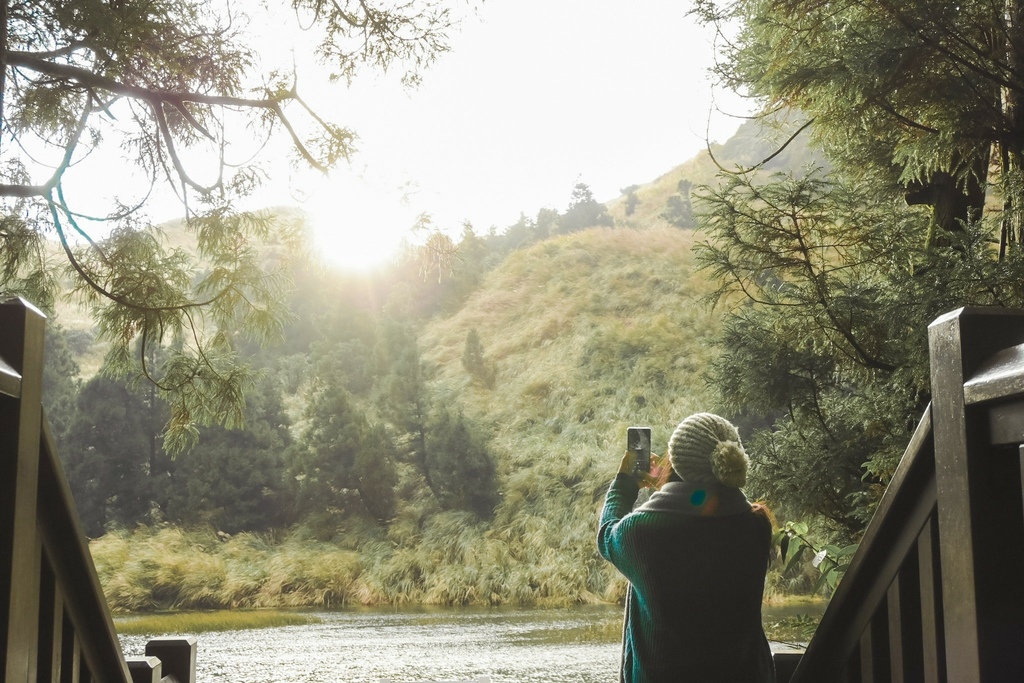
column 695, row 554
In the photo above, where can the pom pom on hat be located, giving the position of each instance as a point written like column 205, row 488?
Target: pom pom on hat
column 729, row 463
column 705, row 448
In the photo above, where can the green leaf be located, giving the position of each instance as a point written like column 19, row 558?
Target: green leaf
column 796, row 558
column 822, row 580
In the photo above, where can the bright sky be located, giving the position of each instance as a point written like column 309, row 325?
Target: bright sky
column 535, row 96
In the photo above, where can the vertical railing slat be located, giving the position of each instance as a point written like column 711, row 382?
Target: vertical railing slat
column 51, row 625
column 929, row 578
column 905, row 636
column 867, row 656
column 71, row 653
column 1020, row 459
column 851, row 672
column 874, row 648
column 896, row 643
column 880, row 643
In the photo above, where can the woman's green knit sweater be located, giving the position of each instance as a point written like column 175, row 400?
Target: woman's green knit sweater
column 696, row 564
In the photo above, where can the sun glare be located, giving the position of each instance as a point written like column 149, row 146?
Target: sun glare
column 357, row 227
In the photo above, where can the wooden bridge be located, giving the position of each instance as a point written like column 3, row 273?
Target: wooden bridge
column 934, row 594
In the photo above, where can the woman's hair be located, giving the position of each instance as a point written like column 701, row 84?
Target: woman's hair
column 762, row 509
column 666, row 475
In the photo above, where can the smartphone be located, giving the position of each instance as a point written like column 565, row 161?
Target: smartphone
column 638, row 440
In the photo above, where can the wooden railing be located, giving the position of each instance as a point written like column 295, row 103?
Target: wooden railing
column 935, row 591
column 54, row 622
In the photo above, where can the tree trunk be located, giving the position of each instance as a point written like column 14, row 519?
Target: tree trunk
column 953, row 201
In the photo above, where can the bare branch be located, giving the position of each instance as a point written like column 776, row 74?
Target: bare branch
column 33, row 62
column 165, row 132
column 303, row 151
column 777, row 152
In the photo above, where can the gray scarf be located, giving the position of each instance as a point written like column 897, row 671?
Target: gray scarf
column 702, row 500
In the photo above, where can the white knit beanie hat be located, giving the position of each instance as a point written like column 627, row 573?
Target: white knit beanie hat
column 706, row 447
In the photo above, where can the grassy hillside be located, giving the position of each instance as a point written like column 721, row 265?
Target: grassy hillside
column 589, row 333
column 654, row 195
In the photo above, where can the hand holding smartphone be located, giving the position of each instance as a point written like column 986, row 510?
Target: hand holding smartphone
column 638, row 442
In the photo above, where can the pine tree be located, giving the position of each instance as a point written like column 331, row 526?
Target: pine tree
column 107, row 457
column 474, row 362
column 833, row 289
column 463, row 471
column 584, row 212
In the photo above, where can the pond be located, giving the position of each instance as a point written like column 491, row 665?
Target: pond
column 578, row 645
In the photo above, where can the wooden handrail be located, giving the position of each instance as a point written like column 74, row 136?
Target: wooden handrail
column 55, row 625
column 933, row 593
column 902, row 518
column 75, row 579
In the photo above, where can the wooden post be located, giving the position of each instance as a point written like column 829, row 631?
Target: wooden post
column 145, row 669
column 21, row 348
column 177, row 655
column 980, row 537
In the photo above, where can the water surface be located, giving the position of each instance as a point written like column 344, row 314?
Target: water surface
column 578, row 645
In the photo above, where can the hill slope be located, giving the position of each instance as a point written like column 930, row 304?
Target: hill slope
column 753, row 142
column 589, row 333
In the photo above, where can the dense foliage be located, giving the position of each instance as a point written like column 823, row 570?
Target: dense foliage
column 833, row 291
column 830, row 281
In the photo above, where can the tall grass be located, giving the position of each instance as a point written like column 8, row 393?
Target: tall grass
column 197, row 622
column 170, row 569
